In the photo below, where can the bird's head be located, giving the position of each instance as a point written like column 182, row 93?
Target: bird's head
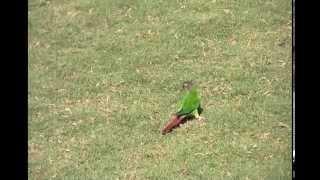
column 187, row 85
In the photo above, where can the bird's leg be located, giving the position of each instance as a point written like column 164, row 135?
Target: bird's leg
column 197, row 115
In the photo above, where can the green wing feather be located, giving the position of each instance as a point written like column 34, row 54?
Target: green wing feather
column 190, row 102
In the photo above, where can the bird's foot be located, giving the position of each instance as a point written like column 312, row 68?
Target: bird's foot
column 201, row 119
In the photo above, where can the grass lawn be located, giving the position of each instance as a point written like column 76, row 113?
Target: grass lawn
column 105, row 76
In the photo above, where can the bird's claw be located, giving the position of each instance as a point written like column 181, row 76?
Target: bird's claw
column 200, row 118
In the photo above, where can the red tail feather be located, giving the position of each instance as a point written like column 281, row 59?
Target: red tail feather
column 174, row 122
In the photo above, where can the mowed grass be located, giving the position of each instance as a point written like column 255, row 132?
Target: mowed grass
column 105, row 76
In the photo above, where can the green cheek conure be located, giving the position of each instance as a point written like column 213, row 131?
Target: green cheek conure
column 189, row 107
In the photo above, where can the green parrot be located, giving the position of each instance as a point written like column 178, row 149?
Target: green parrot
column 190, row 107
column 190, row 104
